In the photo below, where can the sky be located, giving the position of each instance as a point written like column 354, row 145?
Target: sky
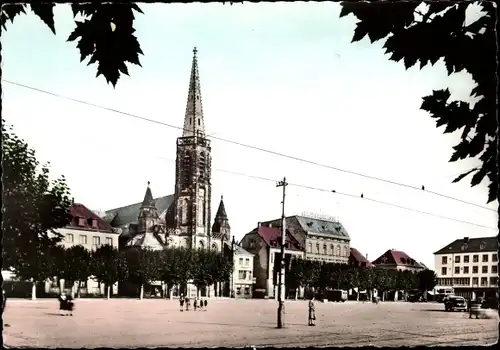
column 278, row 76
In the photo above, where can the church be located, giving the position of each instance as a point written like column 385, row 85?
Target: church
column 183, row 218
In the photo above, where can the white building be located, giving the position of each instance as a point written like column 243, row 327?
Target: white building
column 243, row 279
column 468, row 267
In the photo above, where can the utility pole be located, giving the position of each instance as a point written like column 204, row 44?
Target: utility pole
column 281, row 285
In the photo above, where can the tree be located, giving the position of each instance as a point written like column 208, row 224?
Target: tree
column 416, row 34
column 427, row 280
column 33, row 208
column 76, row 260
column 144, row 266
column 108, row 266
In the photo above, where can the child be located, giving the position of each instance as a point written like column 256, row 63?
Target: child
column 312, row 314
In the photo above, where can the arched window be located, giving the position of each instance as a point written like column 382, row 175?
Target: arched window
column 201, row 245
column 214, row 247
column 345, row 251
column 184, row 214
column 338, row 250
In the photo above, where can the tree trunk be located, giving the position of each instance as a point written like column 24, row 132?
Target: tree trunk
column 61, row 285
column 78, row 293
column 141, row 293
column 72, row 290
column 108, row 292
column 33, row 291
column 357, row 295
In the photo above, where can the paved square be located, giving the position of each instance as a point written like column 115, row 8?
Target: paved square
column 234, row 323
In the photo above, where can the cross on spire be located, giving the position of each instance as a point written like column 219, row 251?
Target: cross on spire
column 194, row 124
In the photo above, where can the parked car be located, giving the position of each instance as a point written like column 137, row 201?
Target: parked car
column 416, row 296
column 337, row 295
column 454, row 303
column 490, row 303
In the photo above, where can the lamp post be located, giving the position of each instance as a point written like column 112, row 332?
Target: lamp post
column 231, row 289
column 281, row 285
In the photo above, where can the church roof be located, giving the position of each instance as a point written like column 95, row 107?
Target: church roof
column 148, row 200
column 145, row 240
column 128, row 214
column 221, row 212
column 194, row 123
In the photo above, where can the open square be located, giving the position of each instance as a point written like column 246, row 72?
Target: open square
column 234, row 323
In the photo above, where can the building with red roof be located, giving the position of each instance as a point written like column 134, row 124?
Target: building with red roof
column 264, row 242
column 358, row 259
column 397, row 260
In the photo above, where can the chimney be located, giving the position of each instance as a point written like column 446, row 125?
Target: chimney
column 258, row 224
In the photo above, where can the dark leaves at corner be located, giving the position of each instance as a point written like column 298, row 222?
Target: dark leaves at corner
column 478, row 177
column 46, row 13
column 107, row 37
column 461, row 176
column 9, row 12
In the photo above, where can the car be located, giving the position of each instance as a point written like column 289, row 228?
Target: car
column 454, row 303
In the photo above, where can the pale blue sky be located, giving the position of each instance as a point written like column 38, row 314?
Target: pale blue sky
column 279, row 76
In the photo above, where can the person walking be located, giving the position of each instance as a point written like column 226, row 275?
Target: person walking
column 312, row 314
column 195, row 304
column 181, row 302
column 205, row 302
column 187, row 303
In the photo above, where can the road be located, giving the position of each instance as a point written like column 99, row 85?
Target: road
column 235, row 323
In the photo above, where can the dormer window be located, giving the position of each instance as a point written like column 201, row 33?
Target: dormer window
column 81, row 222
column 92, row 222
column 482, row 246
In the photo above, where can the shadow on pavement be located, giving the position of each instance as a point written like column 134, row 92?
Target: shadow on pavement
column 264, row 325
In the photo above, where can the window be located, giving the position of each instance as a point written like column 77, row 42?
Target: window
column 83, row 239
column 494, row 258
column 484, row 269
column 252, row 243
column 485, row 257
column 466, row 258
column 444, row 260
column 241, row 261
column 249, row 275
column 242, row 274
column 466, row 269
column 81, row 222
column 109, row 241
column 96, row 240
column 475, row 281
column 493, row 281
column 457, row 269
column 443, row 271
column 310, row 248
column 317, row 248
column 338, row 250
column 484, row 281
column 83, row 284
column 324, row 249
column 494, row 269
column 332, row 249
column 474, row 269
column 247, row 261
column 457, row 259
column 475, row 258
column 69, row 238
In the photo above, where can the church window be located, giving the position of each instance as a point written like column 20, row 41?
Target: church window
column 190, row 121
column 199, row 122
column 214, row 247
column 338, row 250
column 201, row 245
column 197, row 97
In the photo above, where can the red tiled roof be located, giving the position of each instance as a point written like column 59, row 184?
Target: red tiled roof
column 396, row 257
column 80, row 211
column 360, row 258
column 273, row 234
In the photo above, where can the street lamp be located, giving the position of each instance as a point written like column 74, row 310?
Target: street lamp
column 232, row 272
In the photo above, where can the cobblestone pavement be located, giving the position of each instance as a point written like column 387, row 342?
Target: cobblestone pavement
column 234, row 323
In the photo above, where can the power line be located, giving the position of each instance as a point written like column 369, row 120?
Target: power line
column 422, row 188
column 362, row 196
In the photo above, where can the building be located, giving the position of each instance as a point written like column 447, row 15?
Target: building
column 397, row 260
column 264, row 243
column 183, row 218
column 90, row 231
column 468, row 267
column 357, row 259
column 320, row 238
column 243, row 279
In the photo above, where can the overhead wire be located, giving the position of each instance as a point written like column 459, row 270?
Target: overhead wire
column 362, row 196
column 422, row 188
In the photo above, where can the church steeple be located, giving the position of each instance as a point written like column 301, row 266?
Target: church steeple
column 221, row 226
column 148, row 201
column 194, row 124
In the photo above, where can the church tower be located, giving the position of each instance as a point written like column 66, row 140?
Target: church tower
column 191, row 214
column 221, row 228
column 148, row 215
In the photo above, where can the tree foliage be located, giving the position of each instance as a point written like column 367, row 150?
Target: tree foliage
column 105, row 34
column 108, row 265
column 143, row 265
column 426, row 36
column 33, row 207
column 427, row 280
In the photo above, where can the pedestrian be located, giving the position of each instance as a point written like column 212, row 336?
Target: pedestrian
column 201, row 304
column 187, row 304
column 181, row 302
column 206, row 303
column 312, row 314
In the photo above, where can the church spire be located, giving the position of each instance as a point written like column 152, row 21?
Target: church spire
column 148, row 201
column 193, row 121
column 221, row 212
